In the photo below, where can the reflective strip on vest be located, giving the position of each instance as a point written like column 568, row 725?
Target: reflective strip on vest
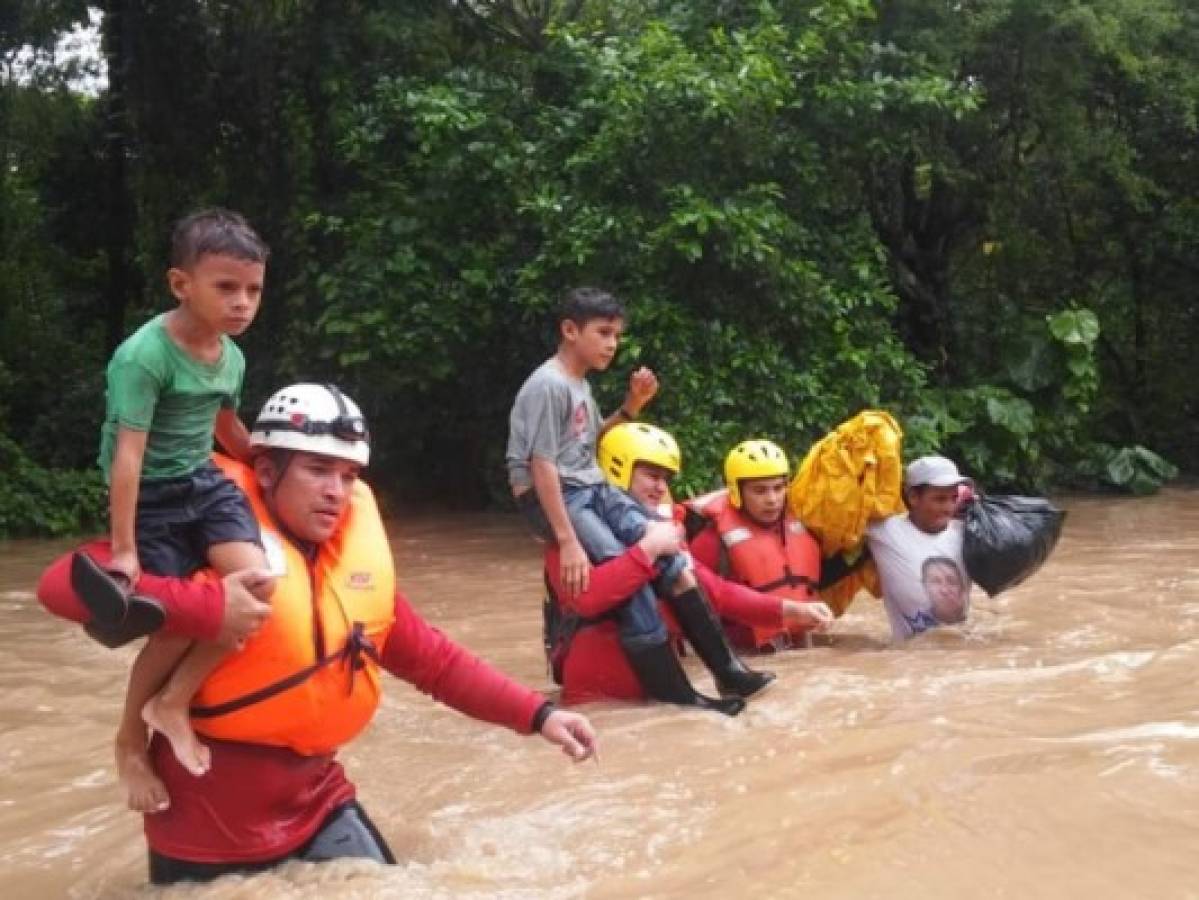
column 736, row 536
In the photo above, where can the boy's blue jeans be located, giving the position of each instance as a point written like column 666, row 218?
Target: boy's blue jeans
column 607, row 521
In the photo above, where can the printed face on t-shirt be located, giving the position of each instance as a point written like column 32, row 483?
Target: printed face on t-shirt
column 578, row 422
column 945, row 588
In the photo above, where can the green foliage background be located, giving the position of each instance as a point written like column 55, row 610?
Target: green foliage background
column 981, row 216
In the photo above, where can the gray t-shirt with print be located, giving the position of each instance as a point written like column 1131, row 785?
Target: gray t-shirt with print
column 555, row 417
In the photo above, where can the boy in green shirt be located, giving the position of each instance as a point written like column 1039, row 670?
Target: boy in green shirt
column 172, row 385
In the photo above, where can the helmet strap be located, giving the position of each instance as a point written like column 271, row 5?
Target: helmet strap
column 281, row 458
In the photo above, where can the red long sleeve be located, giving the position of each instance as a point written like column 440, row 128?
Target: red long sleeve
column 738, row 601
column 194, row 607
column 435, row 665
column 611, row 582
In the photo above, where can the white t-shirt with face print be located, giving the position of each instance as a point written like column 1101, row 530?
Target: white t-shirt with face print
column 923, row 577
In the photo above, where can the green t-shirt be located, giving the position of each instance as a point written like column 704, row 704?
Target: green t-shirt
column 154, row 385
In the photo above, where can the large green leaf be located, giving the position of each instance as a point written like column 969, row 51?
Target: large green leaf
column 1014, row 414
column 1075, row 327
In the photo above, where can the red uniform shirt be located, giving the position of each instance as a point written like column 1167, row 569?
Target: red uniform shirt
column 259, row 803
column 193, row 608
column 595, row 668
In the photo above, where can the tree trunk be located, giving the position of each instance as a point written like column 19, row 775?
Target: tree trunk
column 1140, row 353
column 920, row 227
column 118, row 31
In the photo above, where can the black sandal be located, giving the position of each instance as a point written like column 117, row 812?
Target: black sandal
column 144, row 616
column 105, row 595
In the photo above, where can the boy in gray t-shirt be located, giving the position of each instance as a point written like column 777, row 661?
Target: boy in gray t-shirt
column 554, row 429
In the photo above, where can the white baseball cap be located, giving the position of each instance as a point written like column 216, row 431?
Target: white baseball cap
column 934, row 471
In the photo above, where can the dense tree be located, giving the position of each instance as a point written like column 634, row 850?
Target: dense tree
column 1070, row 187
column 977, row 214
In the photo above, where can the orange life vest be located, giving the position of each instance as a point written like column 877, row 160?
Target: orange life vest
column 309, row 679
column 782, row 560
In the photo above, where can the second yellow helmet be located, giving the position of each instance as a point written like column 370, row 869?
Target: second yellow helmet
column 626, row 444
column 753, row 459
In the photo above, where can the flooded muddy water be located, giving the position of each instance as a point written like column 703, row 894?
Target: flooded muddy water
column 1049, row 748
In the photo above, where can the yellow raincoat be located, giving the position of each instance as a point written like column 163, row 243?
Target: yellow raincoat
column 851, row 477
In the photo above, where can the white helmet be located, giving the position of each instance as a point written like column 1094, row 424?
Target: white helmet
column 315, row 418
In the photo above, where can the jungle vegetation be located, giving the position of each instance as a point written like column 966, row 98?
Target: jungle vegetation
column 981, row 215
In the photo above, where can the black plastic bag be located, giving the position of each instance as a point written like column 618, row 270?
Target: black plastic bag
column 1008, row 538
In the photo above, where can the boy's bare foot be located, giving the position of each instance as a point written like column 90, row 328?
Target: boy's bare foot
column 144, row 791
column 173, row 724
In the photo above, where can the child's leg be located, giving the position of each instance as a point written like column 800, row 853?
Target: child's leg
column 627, row 520
column 167, row 711
column 643, row 635
column 624, row 516
column 234, row 556
column 589, row 516
column 162, row 549
column 144, row 791
column 639, row 620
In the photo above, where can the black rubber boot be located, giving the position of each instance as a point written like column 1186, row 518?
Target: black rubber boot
column 662, row 676
column 143, row 617
column 705, row 634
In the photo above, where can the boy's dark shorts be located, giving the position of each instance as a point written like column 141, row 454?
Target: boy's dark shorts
column 178, row 519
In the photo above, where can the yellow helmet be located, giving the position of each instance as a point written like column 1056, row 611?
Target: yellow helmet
column 626, row 444
column 753, row 459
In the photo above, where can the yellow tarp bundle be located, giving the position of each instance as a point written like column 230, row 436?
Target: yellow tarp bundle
column 851, row 477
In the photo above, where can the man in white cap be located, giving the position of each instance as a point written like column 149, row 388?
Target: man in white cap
column 919, row 555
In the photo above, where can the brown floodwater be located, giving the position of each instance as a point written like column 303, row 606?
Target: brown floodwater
column 1049, row 748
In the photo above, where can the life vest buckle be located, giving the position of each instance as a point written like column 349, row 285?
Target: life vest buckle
column 358, row 648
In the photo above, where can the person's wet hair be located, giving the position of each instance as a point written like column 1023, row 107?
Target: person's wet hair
column 583, row 304
column 216, row 231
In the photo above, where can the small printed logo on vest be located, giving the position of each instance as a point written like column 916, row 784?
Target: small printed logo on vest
column 359, row 580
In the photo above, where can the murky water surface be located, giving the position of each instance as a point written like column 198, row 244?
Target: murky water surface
column 1048, row 749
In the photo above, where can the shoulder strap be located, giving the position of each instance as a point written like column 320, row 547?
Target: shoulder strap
column 357, row 646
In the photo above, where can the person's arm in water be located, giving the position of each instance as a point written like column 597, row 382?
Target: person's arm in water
column 232, row 434
column 575, row 568
column 431, row 662
column 743, row 604
column 643, row 385
column 124, row 479
column 613, row 582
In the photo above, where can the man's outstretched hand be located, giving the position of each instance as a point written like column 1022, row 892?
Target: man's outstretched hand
column 573, row 733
